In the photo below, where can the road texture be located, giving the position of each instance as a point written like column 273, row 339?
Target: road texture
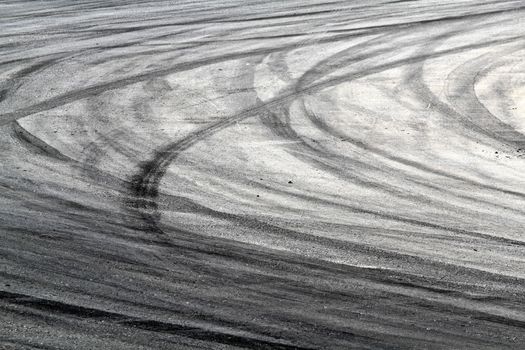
column 262, row 174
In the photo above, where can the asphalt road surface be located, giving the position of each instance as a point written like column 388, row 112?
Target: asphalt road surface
column 262, row 174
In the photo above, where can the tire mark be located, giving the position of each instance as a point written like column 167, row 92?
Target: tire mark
column 57, row 307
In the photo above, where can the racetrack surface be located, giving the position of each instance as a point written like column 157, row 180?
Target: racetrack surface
column 262, row 174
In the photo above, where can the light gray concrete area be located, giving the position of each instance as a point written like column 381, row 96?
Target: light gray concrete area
column 262, row 174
